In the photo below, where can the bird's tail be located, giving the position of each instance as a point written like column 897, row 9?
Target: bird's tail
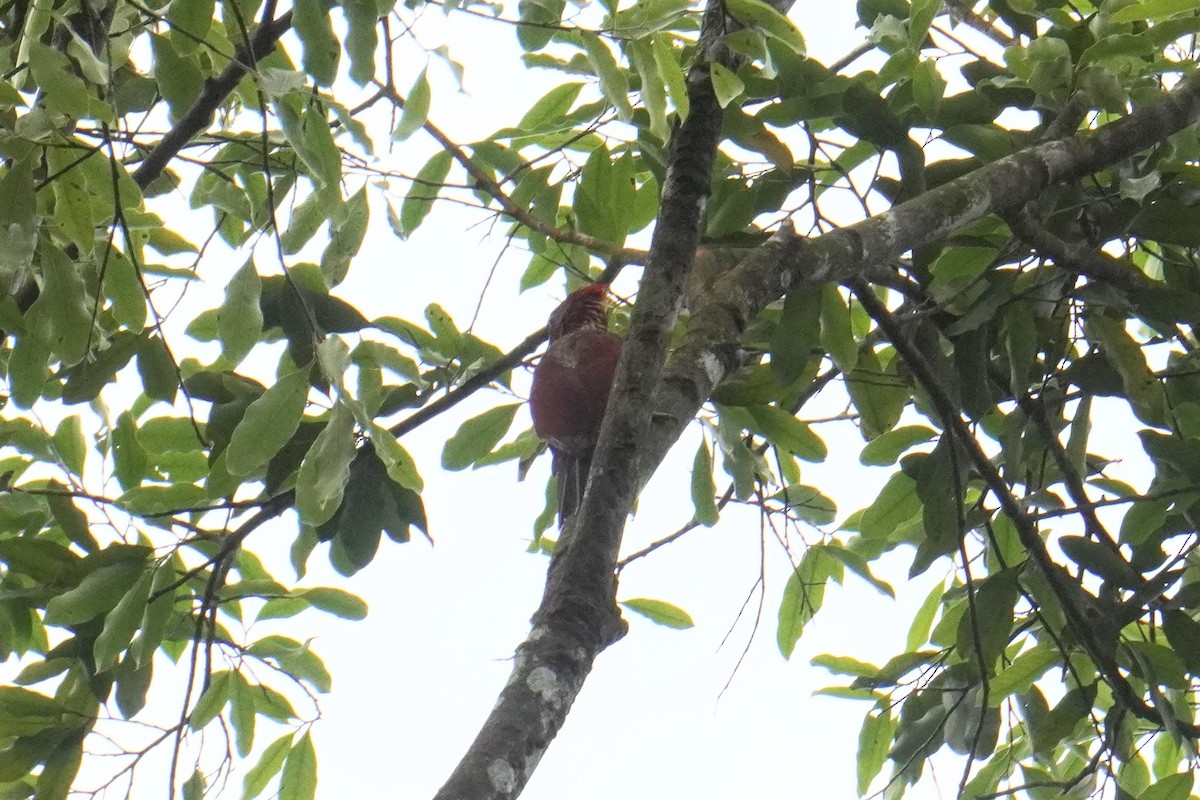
column 572, row 471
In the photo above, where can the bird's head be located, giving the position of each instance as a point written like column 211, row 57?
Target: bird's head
column 584, row 308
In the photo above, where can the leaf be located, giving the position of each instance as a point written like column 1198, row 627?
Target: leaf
column 122, row 623
column 419, row 200
column 704, row 490
column 1184, row 634
column 803, row 596
column 878, row 394
column 70, row 444
column 476, row 437
column 613, row 82
column 99, row 592
column 63, row 311
column 322, row 477
column 269, row 422
column 666, row 59
column 299, row 781
column 795, row 337
column 267, row 767
column 213, row 701
column 727, row 86
column 160, row 377
column 874, row 741
column 773, row 23
column 660, row 612
column 887, row 449
column 416, row 108
column 240, row 319
column 1172, row 787
column 193, row 18
column 837, row 335
column 338, row 602
column 361, row 38
column 1018, row 676
column 788, row 433
column 310, row 20
column 1101, row 560
column 550, row 109
column 88, row 378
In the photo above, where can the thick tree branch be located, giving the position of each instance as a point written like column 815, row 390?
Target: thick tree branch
column 200, row 115
column 708, row 353
column 578, row 616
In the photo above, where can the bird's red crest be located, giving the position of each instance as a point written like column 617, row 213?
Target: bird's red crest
column 583, row 308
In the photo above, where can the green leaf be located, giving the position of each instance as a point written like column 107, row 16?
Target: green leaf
column 88, row 378
column 807, row 503
column 1018, row 676
column 160, row 377
column 878, row 394
column 269, row 422
column 788, row 433
column 928, row 87
column 1099, row 559
column 874, row 741
column 70, row 444
column 666, row 59
column 361, row 38
column 773, row 23
column 310, row 20
column 796, row 335
column 419, row 200
column 416, row 108
column 550, row 109
column 243, row 712
column 477, row 436
column 193, row 18
column 240, row 319
column 1172, row 787
column 1126, row 357
column 704, row 490
column 124, row 288
column 213, row 701
column 267, row 767
column 338, row 602
column 122, row 623
column 323, row 474
column 63, row 311
column 130, row 462
column 613, row 82
column 28, row 369
column 727, row 85
column 74, row 523
column 59, row 769
column 918, row 631
column 299, row 781
column 920, row 18
column 887, row 449
column 660, row 611
column 99, row 592
column 837, row 335
column 803, row 596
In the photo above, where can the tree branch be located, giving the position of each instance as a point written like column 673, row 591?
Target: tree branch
column 200, row 115
column 708, row 353
column 578, row 616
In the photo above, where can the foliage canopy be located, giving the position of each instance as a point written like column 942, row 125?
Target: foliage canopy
column 1032, row 284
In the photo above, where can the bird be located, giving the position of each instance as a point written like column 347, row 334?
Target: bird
column 571, row 384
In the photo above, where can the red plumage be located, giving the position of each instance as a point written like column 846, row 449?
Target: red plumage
column 570, row 388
